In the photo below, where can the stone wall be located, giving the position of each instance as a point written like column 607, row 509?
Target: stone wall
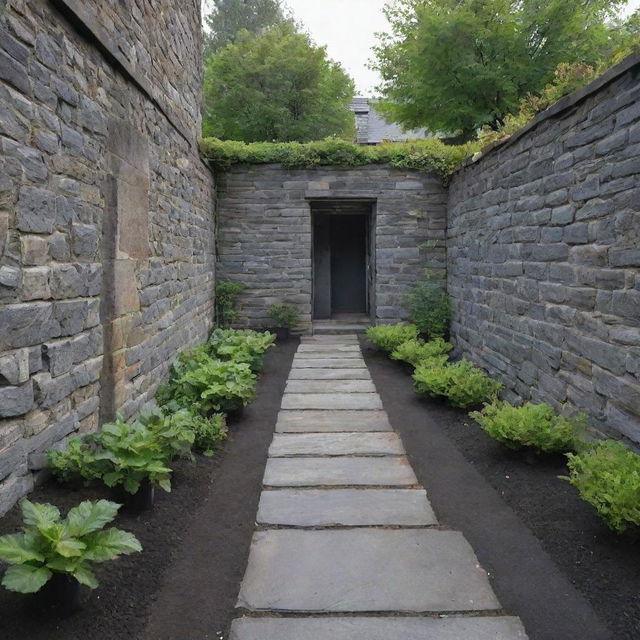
column 106, row 218
column 544, row 256
column 264, row 232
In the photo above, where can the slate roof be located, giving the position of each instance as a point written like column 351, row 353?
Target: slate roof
column 372, row 128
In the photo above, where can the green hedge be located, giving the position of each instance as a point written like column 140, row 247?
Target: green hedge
column 427, row 155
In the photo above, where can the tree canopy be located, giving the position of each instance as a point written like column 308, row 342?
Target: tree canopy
column 228, row 17
column 278, row 87
column 457, row 65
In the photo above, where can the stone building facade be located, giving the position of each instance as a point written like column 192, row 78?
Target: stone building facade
column 106, row 216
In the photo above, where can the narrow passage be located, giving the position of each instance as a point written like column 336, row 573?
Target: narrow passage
column 347, row 546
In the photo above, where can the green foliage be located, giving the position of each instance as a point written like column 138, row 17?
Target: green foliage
column 389, row 337
column 50, row 544
column 276, row 86
column 172, row 431
column 607, row 475
column 511, row 49
column 75, row 462
column 417, row 351
column 533, row 426
column 430, row 308
column 240, row 345
column 227, row 294
column 463, row 384
column 208, row 432
column 284, row 315
column 425, row 155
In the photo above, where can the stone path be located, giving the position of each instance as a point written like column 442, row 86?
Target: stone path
column 347, row 546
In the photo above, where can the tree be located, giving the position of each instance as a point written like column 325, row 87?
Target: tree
column 276, row 87
column 228, row 17
column 456, row 65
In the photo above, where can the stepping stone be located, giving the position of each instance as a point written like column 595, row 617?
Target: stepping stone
column 330, row 374
column 327, row 338
column 408, row 570
column 328, row 348
column 346, row 507
column 330, row 386
column 336, row 444
column 331, row 401
column 390, row 471
column 328, row 363
column 331, row 421
column 377, row 628
column 325, row 355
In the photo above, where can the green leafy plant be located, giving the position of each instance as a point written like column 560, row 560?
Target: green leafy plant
column 534, row 426
column 389, row 337
column 463, row 384
column 607, row 475
column 430, row 308
column 50, row 544
column 207, row 432
column 417, row 351
column 227, row 294
column 240, row 345
column 76, row 461
column 171, row 430
column 284, row 316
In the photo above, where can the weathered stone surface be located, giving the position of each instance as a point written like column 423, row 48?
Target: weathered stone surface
column 330, row 374
column 345, row 507
column 14, row 367
column 323, row 355
column 310, row 421
column 327, row 363
column 378, row 628
column 321, row 347
column 35, row 210
column 9, row 277
column 330, row 386
column 331, row 401
column 16, row 401
column 328, row 339
column 391, row 471
column 335, row 444
column 319, row 571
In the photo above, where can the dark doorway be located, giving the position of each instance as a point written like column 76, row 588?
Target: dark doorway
column 341, row 258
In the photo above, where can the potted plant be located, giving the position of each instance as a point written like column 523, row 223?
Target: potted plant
column 53, row 555
column 285, row 317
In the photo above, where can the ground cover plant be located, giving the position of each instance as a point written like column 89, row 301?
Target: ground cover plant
column 430, row 308
column 416, row 351
column 50, row 544
column 607, row 476
column 389, row 337
column 237, row 345
column 530, row 426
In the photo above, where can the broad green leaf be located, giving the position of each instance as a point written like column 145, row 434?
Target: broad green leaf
column 112, row 479
column 131, row 484
column 18, row 548
column 41, row 516
column 165, row 483
column 90, row 516
column 24, row 578
column 70, row 548
column 85, row 576
column 62, row 564
column 106, row 545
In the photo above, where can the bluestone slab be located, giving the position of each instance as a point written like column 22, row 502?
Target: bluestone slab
column 353, row 401
column 327, row 338
column 330, row 386
column 328, row 348
column 336, row 444
column 346, row 507
column 393, row 471
column 327, row 363
column 330, row 374
column 378, row 628
column 412, row 570
column 331, row 421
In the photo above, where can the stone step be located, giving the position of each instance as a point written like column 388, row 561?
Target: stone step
column 330, row 374
column 345, row 507
column 332, row 401
column 300, row 362
column 330, row 386
column 378, row 628
column 336, row 330
column 358, row 570
column 336, row 444
column 331, row 421
column 324, row 355
column 390, row 471
column 322, row 347
column 330, row 339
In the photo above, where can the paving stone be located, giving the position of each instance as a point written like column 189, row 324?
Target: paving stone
column 325, row 355
column 389, row 471
column 328, row 348
column 330, row 386
column 378, row 628
column 353, row 570
column 328, row 363
column 347, row 507
column 347, row 338
column 312, row 421
column 330, row 374
column 331, row 401
column 336, row 444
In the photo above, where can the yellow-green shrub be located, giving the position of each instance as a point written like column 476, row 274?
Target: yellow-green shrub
column 388, row 337
column 416, row 351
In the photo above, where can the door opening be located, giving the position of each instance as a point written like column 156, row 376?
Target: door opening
column 341, row 258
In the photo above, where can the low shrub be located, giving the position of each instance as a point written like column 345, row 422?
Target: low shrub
column 240, row 345
column 284, row 316
column 533, row 426
column 50, row 544
column 463, row 384
column 389, row 337
column 227, row 294
column 430, row 308
column 607, row 475
column 416, row 352
column 171, row 430
column 207, row 432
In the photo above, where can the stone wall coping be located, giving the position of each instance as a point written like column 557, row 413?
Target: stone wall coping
column 558, row 108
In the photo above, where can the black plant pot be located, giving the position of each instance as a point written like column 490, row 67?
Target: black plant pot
column 282, row 333
column 136, row 503
column 60, row 597
column 235, row 415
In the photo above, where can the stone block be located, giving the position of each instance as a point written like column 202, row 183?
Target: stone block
column 58, row 356
column 330, row 386
column 84, row 240
column 35, row 283
column 125, row 295
column 335, row 444
column 347, row 401
column 34, row 250
column 35, row 211
column 14, row 367
column 26, row 324
column 133, row 216
column 9, row 277
column 16, row 401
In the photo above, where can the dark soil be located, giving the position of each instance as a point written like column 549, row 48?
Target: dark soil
column 195, row 542
column 552, row 561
